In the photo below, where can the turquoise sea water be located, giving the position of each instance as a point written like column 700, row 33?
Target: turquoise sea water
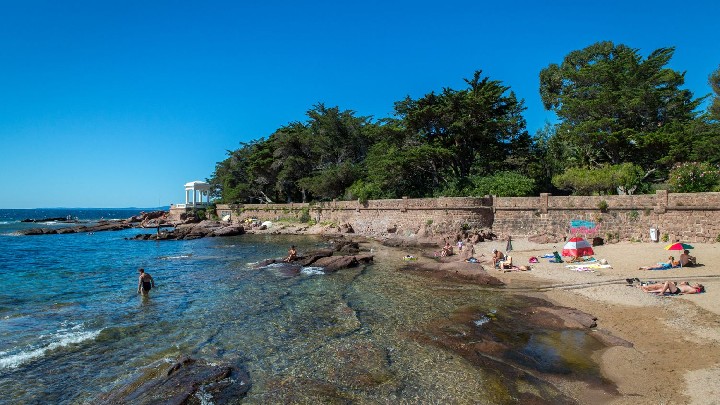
column 72, row 326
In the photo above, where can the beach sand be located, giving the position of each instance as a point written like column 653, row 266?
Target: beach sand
column 676, row 338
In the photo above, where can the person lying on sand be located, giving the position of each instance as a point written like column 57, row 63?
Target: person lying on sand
column 673, row 288
column 662, row 266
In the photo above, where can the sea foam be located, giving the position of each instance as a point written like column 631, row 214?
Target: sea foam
column 312, row 271
column 13, row 360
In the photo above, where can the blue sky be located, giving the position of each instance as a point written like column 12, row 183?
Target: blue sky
column 119, row 103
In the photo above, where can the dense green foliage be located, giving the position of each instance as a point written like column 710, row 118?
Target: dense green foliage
column 694, row 177
column 624, row 122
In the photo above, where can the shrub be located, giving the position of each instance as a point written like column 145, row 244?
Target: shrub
column 633, row 215
column 665, row 237
column 305, row 215
column 603, row 206
column 694, row 177
column 502, row 184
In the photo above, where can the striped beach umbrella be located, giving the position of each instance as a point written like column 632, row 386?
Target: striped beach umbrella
column 678, row 246
column 577, row 246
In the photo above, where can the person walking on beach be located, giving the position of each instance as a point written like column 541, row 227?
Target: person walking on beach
column 145, row 282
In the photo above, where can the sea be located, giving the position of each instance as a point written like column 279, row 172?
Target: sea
column 73, row 328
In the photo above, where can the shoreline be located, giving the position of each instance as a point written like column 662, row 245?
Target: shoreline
column 675, row 338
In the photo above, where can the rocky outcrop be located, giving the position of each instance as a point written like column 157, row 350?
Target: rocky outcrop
column 194, row 231
column 99, row 227
column 189, row 381
column 323, row 258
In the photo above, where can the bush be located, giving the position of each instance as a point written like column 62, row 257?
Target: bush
column 694, row 177
column 603, row 206
column 503, row 184
column 364, row 191
column 624, row 178
column 305, row 215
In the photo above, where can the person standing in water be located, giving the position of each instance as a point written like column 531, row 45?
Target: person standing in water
column 145, row 282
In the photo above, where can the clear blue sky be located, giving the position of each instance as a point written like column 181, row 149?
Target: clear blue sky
column 119, row 103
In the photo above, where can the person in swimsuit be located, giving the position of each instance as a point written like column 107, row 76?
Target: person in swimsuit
column 673, row 288
column 292, row 254
column 145, row 282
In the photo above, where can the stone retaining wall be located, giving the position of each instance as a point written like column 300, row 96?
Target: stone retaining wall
column 688, row 217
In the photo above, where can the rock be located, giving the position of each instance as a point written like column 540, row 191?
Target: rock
column 314, row 256
column 56, row 219
column 229, row 231
column 598, row 241
column 182, row 383
column 334, row 263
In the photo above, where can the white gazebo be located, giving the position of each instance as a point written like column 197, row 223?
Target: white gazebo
column 194, row 192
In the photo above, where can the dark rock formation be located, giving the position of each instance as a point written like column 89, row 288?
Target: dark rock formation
column 56, row 219
column 194, row 231
column 184, row 383
column 322, row 258
column 99, row 227
column 311, row 257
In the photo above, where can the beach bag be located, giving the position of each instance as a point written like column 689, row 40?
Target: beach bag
column 533, row 260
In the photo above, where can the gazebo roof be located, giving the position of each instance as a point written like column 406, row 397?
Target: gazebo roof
column 197, row 185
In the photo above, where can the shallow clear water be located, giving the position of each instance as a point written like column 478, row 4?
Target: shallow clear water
column 73, row 327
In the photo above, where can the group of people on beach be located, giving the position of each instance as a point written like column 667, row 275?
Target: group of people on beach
column 685, row 260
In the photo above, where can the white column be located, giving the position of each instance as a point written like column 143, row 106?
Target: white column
column 187, row 196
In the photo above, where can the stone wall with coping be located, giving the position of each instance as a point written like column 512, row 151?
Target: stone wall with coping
column 688, row 217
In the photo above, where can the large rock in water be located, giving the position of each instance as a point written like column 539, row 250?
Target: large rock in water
column 332, row 264
column 189, row 381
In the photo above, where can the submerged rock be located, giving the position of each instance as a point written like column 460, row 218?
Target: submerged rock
column 189, row 381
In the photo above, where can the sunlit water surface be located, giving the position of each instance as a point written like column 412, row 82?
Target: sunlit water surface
column 73, row 327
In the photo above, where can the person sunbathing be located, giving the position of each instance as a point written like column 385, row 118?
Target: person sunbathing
column 507, row 263
column 663, row 266
column 673, row 288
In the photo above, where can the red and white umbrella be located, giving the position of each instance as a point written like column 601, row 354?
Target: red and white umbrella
column 577, row 246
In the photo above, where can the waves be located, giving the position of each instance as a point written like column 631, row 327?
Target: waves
column 62, row 338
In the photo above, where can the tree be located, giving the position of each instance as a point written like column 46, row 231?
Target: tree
column 481, row 126
column 714, row 81
column 615, row 107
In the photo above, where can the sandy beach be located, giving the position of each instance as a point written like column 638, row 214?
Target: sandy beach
column 676, row 338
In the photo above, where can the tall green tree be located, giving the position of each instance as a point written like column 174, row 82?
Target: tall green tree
column 616, row 107
column 481, row 126
column 714, row 81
